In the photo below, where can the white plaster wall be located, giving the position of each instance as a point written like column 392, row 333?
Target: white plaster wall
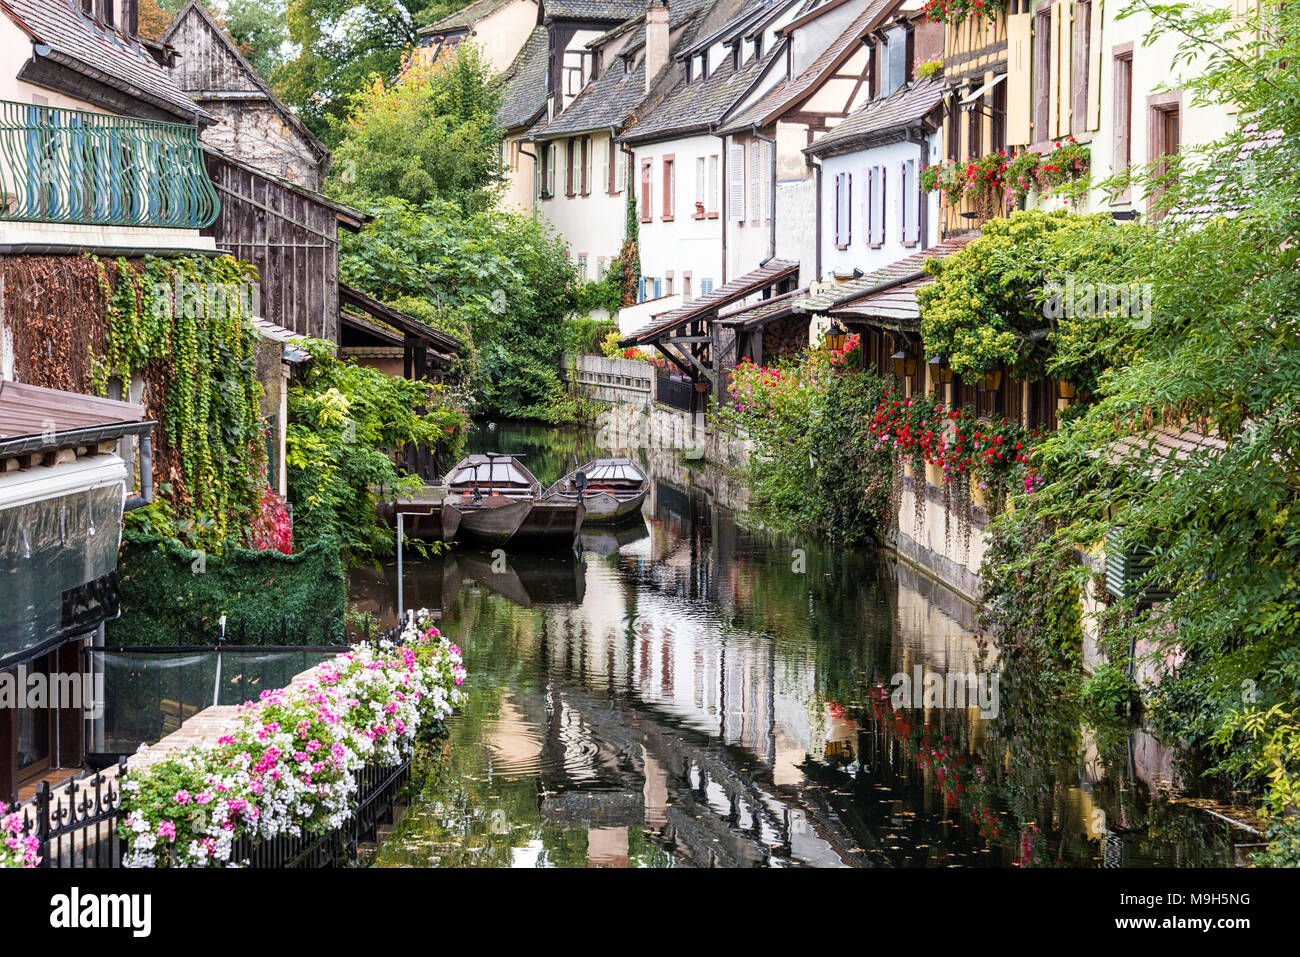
column 592, row 224
column 503, row 34
column 860, row 254
column 1151, row 71
column 808, row 41
column 796, row 225
column 684, row 244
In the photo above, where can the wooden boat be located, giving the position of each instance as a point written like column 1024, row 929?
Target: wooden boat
column 552, row 519
column 494, row 494
column 611, row 490
column 425, row 514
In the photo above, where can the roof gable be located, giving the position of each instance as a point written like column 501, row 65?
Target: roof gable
column 211, row 64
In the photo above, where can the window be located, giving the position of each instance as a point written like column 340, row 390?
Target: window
column 1079, row 72
column 1123, row 83
column 582, row 266
column 909, row 204
column 706, row 286
column 669, row 188
column 686, row 287
column 998, row 119
column 843, row 210
column 769, row 157
column 1042, row 74
column 569, row 151
column 701, row 197
column 1164, row 132
column 549, row 156
column 647, row 172
column 895, row 61
column 668, row 283
column 586, row 167
column 711, row 198
column 736, row 183
column 600, row 267
column 876, row 227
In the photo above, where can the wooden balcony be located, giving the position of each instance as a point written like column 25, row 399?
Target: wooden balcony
column 971, row 214
column 84, row 168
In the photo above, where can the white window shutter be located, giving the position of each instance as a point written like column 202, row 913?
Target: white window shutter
column 839, row 209
column 755, row 209
column 768, row 199
column 848, row 209
column 736, row 184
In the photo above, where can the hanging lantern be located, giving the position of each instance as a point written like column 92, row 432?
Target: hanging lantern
column 904, row 363
column 992, row 381
column 1066, row 390
column 940, row 371
column 836, row 336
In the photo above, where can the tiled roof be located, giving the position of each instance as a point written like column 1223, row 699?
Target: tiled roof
column 790, row 92
column 525, row 94
column 465, row 18
column 1164, row 447
column 894, row 306
column 593, row 9
column 899, row 269
column 732, row 292
column 613, row 98
column 765, row 311
column 607, row 101
column 905, row 107
column 701, row 104
column 75, row 41
column 404, row 322
column 1218, row 200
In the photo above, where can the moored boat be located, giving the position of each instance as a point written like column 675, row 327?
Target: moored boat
column 552, row 519
column 610, row 490
column 494, row 494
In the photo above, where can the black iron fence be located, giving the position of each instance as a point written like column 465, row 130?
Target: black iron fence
column 79, row 827
column 674, row 392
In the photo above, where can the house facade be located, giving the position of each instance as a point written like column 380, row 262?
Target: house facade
column 99, row 153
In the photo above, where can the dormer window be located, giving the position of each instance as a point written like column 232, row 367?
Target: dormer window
column 736, row 57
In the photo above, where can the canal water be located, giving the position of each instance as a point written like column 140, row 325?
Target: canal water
column 698, row 691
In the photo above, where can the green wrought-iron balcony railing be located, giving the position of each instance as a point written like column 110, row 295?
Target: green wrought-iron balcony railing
column 78, row 167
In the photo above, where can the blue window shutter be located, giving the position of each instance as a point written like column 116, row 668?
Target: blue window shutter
column 659, row 288
column 640, row 289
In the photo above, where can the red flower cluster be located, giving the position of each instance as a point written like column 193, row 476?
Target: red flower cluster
column 921, row 428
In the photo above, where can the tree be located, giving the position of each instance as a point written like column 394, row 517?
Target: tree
column 507, row 276
column 1219, row 361
column 432, row 134
column 341, row 46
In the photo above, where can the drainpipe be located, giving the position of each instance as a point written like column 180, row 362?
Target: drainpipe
column 146, row 476
column 771, row 243
column 816, row 164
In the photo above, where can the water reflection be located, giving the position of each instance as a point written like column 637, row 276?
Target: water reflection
column 691, row 692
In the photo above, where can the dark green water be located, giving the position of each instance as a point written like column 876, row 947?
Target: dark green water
column 692, row 692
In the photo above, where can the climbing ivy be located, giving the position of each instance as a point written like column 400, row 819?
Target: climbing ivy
column 183, row 325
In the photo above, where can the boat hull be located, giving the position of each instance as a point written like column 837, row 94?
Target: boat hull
column 491, row 522
column 552, row 520
column 605, row 509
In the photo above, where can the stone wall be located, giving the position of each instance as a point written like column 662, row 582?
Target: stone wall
column 623, row 381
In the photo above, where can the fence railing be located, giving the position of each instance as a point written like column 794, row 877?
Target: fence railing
column 74, row 166
column 78, row 828
column 674, row 393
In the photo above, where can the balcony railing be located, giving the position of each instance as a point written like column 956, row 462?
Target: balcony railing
column 74, row 166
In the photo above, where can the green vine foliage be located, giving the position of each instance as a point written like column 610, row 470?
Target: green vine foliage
column 993, row 305
column 346, row 421
column 183, row 325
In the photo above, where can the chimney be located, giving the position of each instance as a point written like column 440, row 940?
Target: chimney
column 656, row 40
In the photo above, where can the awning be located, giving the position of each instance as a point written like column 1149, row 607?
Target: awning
column 34, row 419
column 774, row 274
column 892, row 307
column 405, row 323
column 968, row 101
